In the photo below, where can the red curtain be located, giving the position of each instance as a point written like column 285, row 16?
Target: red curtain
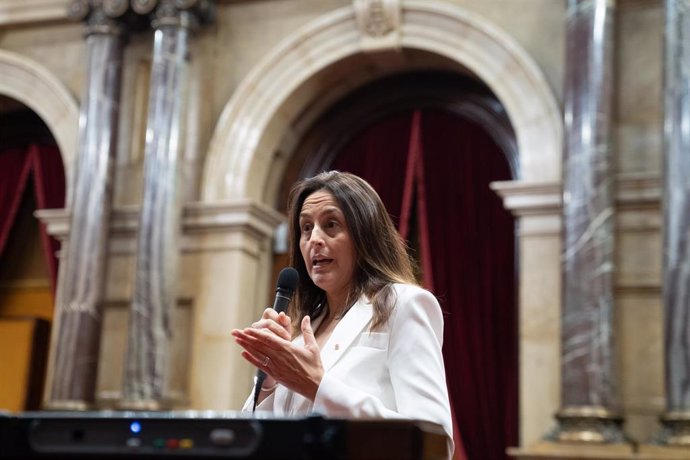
column 379, row 155
column 438, row 167
column 43, row 163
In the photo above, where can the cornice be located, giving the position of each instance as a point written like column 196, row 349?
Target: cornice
column 21, row 12
column 632, row 192
column 197, row 218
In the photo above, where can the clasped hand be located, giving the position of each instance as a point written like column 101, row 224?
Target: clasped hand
column 267, row 345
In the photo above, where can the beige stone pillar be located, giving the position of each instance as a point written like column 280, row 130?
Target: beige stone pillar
column 537, row 208
column 234, row 260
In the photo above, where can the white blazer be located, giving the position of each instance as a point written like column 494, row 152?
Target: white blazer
column 395, row 372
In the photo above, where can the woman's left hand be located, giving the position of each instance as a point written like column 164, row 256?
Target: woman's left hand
column 297, row 367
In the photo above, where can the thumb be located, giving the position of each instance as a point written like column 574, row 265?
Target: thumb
column 308, row 333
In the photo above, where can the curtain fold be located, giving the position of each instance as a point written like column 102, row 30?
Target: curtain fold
column 15, row 167
column 43, row 163
column 472, row 252
column 432, row 171
column 379, row 155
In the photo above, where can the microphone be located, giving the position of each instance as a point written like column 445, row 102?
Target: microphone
column 287, row 283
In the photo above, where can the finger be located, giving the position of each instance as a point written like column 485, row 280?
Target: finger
column 308, row 333
column 285, row 321
column 250, row 343
column 257, row 351
column 252, row 340
column 270, row 313
column 267, row 339
column 254, row 361
column 273, row 326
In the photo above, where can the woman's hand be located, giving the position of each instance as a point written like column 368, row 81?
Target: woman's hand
column 298, row 367
column 279, row 324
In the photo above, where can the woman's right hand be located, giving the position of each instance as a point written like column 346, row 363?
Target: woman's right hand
column 278, row 323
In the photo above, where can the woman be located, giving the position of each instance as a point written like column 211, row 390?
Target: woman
column 370, row 343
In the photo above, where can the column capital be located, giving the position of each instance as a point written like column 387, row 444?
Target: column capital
column 101, row 16
column 181, row 13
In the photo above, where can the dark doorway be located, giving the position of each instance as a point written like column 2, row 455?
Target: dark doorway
column 430, row 143
column 31, row 177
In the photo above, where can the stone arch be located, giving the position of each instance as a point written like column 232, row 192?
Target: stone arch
column 244, row 155
column 35, row 86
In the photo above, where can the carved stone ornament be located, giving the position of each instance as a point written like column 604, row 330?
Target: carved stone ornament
column 186, row 4
column 184, row 13
column 78, row 10
column 115, row 8
column 377, row 18
column 100, row 16
column 144, row 6
column 379, row 23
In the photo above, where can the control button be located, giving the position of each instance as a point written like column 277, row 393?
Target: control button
column 159, row 443
column 172, row 443
column 222, row 436
column 135, row 427
column 186, row 443
column 134, row 442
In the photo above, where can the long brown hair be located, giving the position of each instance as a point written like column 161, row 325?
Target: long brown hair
column 381, row 256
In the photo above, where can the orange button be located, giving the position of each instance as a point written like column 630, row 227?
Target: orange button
column 186, row 443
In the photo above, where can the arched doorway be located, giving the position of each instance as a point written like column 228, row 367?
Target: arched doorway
column 430, row 143
column 300, row 78
column 324, row 60
column 31, row 177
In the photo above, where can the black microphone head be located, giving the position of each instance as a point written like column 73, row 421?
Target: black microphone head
column 287, row 279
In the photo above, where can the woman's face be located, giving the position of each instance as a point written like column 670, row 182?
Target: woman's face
column 326, row 246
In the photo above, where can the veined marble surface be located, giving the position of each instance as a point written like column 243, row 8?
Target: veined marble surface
column 676, row 268
column 79, row 315
column 587, row 366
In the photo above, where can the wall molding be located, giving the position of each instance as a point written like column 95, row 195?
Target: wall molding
column 22, row 12
column 525, row 198
column 204, row 226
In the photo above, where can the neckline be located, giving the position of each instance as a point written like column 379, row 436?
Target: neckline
column 338, row 317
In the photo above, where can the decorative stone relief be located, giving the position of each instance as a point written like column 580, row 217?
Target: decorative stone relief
column 167, row 12
column 379, row 23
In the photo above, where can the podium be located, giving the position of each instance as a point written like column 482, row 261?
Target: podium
column 212, row 435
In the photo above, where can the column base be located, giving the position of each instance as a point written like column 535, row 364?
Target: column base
column 587, row 425
column 663, row 452
column 675, row 429
column 68, row 405
column 144, row 405
column 565, row 451
column 560, row 451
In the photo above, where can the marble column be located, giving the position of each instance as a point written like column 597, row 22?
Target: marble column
column 588, row 386
column 77, row 332
column 155, row 295
column 676, row 205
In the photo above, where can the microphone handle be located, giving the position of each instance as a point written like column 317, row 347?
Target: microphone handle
column 280, row 305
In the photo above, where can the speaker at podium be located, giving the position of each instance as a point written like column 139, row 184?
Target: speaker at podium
column 212, row 435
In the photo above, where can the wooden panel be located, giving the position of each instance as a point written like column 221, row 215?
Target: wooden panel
column 27, row 300
column 23, row 351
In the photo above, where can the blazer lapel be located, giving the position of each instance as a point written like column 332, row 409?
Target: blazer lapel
column 349, row 328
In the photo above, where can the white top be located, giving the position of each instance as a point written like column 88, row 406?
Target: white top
column 395, row 372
